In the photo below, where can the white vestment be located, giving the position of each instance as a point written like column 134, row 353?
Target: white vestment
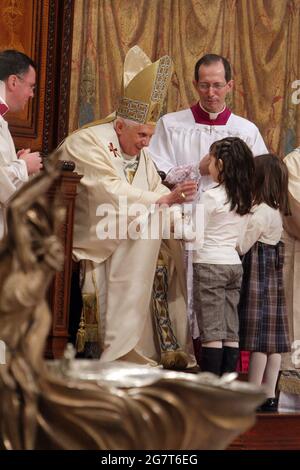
column 123, row 269
column 13, row 172
column 289, row 382
column 180, row 140
column 292, row 261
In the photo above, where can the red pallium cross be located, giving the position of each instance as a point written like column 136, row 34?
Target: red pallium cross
column 113, row 149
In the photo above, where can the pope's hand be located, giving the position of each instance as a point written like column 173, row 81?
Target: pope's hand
column 183, row 192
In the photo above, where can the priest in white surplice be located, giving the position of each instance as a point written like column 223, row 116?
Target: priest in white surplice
column 17, row 83
column 118, row 288
column 184, row 137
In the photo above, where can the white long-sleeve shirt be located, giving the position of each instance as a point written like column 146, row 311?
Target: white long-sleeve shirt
column 222, row 228
column 264, row 224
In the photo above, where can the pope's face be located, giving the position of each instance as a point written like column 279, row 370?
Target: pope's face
column 212, row 87
column 133, row 138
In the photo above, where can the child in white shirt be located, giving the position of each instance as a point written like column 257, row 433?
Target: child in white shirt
column 217, row 270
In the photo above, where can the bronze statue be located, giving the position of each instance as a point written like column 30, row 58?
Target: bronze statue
column 78, row 404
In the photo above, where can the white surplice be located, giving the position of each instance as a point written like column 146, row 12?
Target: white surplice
column 13, row 172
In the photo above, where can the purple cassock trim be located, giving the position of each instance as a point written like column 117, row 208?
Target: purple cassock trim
column 202, row 117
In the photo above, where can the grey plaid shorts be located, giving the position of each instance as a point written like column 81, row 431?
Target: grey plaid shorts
column 216, row 294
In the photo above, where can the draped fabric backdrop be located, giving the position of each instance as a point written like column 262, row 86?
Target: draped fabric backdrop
column 259, row 37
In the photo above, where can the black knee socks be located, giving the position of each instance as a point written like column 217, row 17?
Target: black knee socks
column 211, row 360
column 219, row 360
column 230, row 359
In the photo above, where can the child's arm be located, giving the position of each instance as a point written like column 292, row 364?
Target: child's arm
column 253, row 230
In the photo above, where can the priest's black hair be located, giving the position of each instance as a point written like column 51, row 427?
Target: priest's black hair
column 209, row 59
column 13, row 62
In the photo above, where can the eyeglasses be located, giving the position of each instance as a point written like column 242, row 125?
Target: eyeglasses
column 215, row 86
column 32, row 87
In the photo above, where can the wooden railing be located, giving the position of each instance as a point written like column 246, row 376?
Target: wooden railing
column 59, row 295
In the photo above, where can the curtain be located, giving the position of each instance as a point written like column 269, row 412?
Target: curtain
column 260, row 38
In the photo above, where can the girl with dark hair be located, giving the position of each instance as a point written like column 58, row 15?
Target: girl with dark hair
column 262, row 312
column 217, row 270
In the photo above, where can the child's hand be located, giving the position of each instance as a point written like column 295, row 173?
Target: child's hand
column 204, row 164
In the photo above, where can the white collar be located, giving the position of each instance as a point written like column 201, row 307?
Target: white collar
column 212, row 115
column 129, row 157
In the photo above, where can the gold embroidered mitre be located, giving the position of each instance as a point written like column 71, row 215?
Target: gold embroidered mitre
column 144, row 87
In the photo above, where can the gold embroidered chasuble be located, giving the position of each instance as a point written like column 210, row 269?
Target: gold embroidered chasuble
column 121, row 266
